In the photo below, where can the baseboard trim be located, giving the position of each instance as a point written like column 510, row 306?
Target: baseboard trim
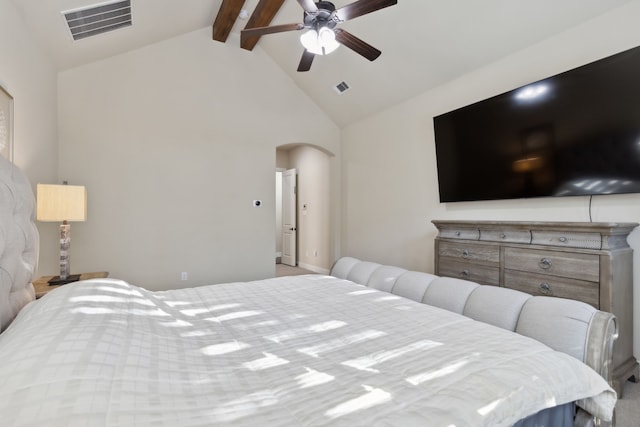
column 313, row 268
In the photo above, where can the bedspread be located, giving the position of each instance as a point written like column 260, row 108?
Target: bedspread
column 294, row 351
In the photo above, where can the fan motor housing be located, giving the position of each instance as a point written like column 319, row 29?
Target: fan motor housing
column 325, row 16
column 326, row 5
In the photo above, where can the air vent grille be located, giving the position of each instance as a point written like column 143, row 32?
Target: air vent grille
column 342, row 87
column 98, row 19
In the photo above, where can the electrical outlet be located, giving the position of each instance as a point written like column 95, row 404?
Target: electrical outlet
column 184, row 276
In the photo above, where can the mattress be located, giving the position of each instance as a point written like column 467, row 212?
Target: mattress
column 294, row 351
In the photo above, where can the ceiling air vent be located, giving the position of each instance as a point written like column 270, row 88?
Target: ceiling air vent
column 342, row 87
column 97, row 19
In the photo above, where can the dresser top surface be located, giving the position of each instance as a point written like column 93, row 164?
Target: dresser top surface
column 600, row 227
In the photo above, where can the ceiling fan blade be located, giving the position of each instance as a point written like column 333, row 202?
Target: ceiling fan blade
column 362, row 7
column 308, row 5
column 306, row 61
column 261, row 31
column 357, row 45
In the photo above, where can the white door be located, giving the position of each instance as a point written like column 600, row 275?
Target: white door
column 289, row 227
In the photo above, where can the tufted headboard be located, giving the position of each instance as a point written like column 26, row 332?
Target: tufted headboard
column 19, row 242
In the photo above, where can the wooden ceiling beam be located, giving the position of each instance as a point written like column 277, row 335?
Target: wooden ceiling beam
column 227, row 15
column 262, row 16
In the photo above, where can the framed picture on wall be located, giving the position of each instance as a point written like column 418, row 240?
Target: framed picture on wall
column 6, row 124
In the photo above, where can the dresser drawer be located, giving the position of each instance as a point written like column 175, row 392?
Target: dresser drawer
column 470, row 252
column 507, row 236
column 563, row 264
column 567, row 239
column 460, row 233
column 478, row 273
column 562, row 287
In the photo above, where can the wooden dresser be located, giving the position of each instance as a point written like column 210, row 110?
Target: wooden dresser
column 590, row 262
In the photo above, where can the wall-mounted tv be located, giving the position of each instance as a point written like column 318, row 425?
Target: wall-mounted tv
column 576, row 133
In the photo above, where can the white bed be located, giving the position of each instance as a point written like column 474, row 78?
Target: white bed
column 297, row 351
column 310, row 350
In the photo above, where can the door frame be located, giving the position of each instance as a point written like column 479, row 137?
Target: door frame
column 290, row 217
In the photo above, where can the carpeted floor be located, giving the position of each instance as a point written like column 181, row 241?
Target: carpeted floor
column 286, row 270
column 627, row 408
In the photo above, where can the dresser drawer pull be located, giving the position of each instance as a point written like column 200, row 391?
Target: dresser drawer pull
column 563, row 239
column 545, row 288
column 457, row 233
column 545, row 263
column 465, row 273
column 503, row 236
column 465, row 253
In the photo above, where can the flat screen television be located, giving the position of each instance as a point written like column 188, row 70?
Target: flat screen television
column 576, row 133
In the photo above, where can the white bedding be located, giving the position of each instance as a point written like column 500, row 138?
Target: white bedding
column 293, row 351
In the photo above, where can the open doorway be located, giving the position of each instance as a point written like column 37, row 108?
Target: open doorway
column 303, row 225
column 286, row 217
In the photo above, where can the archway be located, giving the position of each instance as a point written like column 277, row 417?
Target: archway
column 314, row 210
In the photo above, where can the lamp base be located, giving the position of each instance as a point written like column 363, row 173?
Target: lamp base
column 56, row 280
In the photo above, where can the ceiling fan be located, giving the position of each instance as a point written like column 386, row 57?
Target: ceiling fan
column 321, row 19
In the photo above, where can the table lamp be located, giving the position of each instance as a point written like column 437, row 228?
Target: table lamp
column 62, row 203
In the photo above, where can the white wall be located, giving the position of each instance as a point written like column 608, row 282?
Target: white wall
column 30, row 77
column 390, row 191
column 173, row 142
column 278, row 207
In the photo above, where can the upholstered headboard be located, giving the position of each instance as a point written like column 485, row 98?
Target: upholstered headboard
column 18, row 242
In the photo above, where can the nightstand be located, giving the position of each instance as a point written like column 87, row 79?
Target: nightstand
column 42, row 286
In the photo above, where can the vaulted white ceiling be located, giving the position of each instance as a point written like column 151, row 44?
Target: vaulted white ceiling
column 424, row 43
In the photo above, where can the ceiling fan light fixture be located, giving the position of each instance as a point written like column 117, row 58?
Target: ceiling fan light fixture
column 321, row 42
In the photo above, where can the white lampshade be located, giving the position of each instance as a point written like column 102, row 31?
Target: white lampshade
column 320, row 43
column 61, row 203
